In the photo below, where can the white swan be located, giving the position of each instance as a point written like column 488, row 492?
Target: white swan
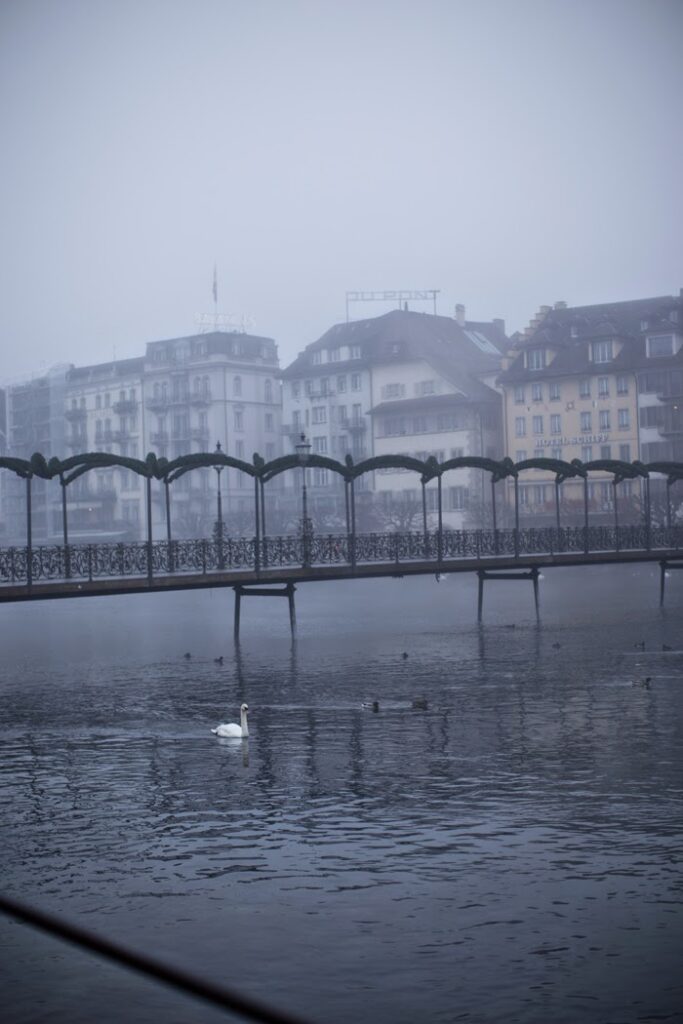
column 231, row 729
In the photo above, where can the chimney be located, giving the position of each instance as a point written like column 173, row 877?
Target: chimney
column 499, row 324
column 460, row 314
column 560, row 305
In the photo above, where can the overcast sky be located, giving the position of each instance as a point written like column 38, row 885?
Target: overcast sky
column 507, row 152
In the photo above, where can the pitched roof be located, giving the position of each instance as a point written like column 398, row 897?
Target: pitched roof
column 569, row 331
column 458, row 353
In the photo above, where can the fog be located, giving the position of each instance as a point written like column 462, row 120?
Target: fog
column 506, row 154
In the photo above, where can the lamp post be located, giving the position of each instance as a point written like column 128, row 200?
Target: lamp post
column 303, row 451
column 219, row 510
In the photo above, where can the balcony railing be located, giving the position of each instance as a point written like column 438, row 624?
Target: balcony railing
column 160, row 437
column 125, row 406
column 200, row 397
column 76, row 415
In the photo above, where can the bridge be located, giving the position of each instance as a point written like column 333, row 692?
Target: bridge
column 258, row 564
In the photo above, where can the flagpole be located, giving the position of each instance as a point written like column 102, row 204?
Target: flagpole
column 215, row 292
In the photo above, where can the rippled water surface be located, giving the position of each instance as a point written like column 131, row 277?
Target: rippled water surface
column 501, row 841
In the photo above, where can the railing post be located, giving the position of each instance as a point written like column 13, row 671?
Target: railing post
column 264, row 540
column 90, row 563
column 493, row 510
column 424, row 520
column 516, row 517
column 648, row 514
column 169, row 542
column 585, row 514
column 149, row 529
column 616, row 517
column 65, row 533
column 29, row 534
column 352, row 547
column 257, row 538
column 440, row 535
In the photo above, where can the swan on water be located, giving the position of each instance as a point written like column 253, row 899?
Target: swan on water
column 232, row 729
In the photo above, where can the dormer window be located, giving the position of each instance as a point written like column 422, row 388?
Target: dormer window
column 601, row 351
column 354, row 352
column 535, row 359
column 316, row 357
column 659, row 345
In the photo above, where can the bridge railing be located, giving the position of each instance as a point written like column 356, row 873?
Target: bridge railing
column 178, row 557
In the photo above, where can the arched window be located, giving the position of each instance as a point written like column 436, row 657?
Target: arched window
column 237, row 386
column 269, row 390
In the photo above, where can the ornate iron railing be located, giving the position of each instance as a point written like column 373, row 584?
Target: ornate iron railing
column 178, row 557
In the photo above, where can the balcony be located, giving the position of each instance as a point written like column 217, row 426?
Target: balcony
column 355, row 425
column 76, row 415
column 200, row 398
column 673, row 421
column 125, row 406
column 160, row 437
column 159, row 403
column 292, row 429
column 122, row 436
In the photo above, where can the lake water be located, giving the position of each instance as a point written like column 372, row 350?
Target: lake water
column 507, row 850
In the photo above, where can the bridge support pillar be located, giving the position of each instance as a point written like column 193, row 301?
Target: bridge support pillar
column 244, row 590
column 664, row 568
column 484, row 574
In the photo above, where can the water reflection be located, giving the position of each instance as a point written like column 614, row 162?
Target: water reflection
column 501, row 836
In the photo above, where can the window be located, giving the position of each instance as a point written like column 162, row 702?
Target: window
column 625, row 452
column 324, row 386
column 601, row 351
column 457, row 498
column 519, row 394
column 555, row 423
column 358, row 418
column 554, row 391
column 316, row 357
column 537, row 424
column 420, row 425
column 319, row 414
column 107, row 401
column 660, row 345
column 556, row 453
column 296, row 388
column 535, row 359
column 584, row 388
column 355, row 382
column 239, row 449
column 604, row 419
column 333, row 355
column 622, row 385
column 237, row 386
column 447, row 421
column 425, row 387
column 270, row 423
column 354, row 352
column 586, row 453
column 536, row 392
column 239, row 419
column 270, row 451
column 392, row 391
column 520, row 455
column 319, row 477
column 539, row 453
column 268, row 390
column 320, row 445
column 98, row 401
column 624, row 419
column 586, row 423
column 605, row 451
column 341, row 413
column 520, row 426
column 341, row 384
column 603, row 387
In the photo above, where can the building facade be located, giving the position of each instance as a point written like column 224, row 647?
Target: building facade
column 593, row 383
column 184, row 395
column 403, row 383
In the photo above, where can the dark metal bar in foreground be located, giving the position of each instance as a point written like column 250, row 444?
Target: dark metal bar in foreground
column 185, row 982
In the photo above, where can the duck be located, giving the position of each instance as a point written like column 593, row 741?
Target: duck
column 370, row 705
column 557, row 645
column 420, row 704
column 665, row 647
column 645, row 683
column 219, row 660
column 640, row 645
column 231, row 730
column 187, row 655
column 405, row 655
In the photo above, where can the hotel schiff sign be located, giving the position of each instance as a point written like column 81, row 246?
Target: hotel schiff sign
column 561, row 442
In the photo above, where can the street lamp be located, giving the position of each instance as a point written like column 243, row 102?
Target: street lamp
column 303, row 451
column 219, row 509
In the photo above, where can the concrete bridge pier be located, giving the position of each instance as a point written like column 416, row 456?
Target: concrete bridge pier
column 244, row 590
column 484, row 575
column 664, row 568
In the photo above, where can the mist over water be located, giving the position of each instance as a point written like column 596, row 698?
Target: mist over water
column 500, row 841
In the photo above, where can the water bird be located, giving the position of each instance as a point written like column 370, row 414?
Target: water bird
column 231, row 730
column 665, row 647
column 404, row 655
column 370, row 705
column 645, row 683
column 219, row 660
column 420, row 704
column 187, row 654
column 640, row 645
column 557, row 645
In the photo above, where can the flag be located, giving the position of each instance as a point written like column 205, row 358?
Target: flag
column 215, row 285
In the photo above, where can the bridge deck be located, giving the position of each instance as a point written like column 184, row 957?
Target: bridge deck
column 40, row 591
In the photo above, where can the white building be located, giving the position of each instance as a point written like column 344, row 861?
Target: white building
column 403, row 383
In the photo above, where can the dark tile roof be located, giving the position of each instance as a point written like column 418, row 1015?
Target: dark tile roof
column 114, row 369
column 426, row 403
column 569, row 332
column 459, row 353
